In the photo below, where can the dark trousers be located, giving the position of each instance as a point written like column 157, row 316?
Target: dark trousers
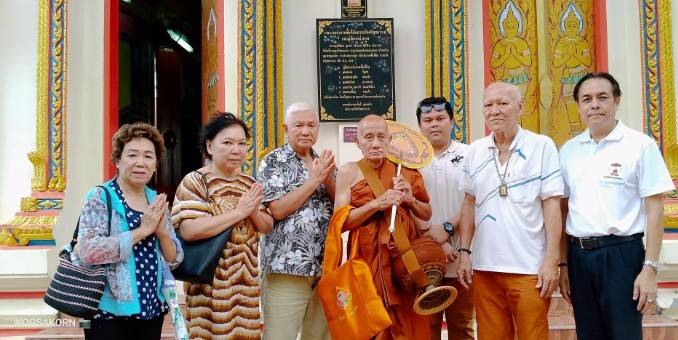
column 601, row 285
column 125, row 329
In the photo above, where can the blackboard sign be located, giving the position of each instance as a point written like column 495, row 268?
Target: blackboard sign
column 355, row 69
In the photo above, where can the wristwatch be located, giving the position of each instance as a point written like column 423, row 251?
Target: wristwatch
column 653, row 264
column 449, row 228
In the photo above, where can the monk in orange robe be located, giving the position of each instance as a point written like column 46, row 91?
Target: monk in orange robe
column 372, row 215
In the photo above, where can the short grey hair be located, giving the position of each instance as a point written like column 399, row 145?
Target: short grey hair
column 297, row 107
column 514, row 90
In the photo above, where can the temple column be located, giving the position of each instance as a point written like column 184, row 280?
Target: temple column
column 33, row 224
column 659, row 122
column 260, row 90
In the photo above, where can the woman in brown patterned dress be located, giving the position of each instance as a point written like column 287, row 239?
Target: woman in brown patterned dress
column 207, row 201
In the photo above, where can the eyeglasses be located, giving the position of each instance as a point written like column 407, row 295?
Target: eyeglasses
column 435, row 106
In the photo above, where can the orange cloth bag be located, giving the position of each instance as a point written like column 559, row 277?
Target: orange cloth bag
column 352, row 306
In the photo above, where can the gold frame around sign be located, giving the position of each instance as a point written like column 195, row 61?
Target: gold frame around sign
column 322, row 24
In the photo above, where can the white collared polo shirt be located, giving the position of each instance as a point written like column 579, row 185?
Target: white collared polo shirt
column 441, row 179
column 606, row 182
column 510, row 235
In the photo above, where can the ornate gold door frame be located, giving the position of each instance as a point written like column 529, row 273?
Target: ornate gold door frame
column 260, row 76
column 658, row 90
column 447, row 59
column 658, row 84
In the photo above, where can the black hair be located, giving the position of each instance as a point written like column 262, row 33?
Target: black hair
column 435, row 100
column 616, row 91
column 219, row 121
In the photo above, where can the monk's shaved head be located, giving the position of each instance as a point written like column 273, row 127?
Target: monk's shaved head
column 371, row 121
column 373, row 138
column 511, row 89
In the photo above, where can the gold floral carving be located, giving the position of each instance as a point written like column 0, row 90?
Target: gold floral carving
column 29, row 204
column 667, row 72
column 389, row 113
column 57, row 88
column 260, row 84
column 659, row 88
column 322, row 25
column 448, row 76
column 671, row 208
column 39, row 157
column 325, row 115
column 247, row 73
column 671, row 156
column 650, row 60
column 279, row 137
column 459, row 70
column 7, row 238
column 387, row 25
column 445, row 62
column 24, row 235
column 273, row 82
column 429, row 37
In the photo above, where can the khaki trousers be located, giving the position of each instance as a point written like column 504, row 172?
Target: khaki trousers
column 290, row 305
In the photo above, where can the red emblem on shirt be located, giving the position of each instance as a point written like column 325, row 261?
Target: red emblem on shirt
column 614, row 171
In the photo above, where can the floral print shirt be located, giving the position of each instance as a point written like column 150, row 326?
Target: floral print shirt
column 95, row 247
column 295, row 245
column 146, row 271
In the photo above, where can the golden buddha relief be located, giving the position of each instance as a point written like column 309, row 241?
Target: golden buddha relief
column 513, row 56
column 571, row 57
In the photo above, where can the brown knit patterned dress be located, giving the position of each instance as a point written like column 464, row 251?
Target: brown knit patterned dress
column 229, row 307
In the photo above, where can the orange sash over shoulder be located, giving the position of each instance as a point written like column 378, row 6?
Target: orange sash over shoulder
column 353, row 308
column 377, row 248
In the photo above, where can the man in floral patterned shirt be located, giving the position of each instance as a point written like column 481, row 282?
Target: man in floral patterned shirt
column 298, row 190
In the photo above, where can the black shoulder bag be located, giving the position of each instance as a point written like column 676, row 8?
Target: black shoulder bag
column 201, row 257
column 76, row 290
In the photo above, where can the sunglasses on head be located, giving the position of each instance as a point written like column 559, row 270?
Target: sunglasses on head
column 436, row 106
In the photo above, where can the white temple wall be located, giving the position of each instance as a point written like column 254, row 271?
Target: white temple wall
column 624, row 59
column 85, row 104
column 17, row 101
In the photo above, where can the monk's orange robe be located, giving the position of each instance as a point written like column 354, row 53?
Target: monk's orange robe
column 377, row 248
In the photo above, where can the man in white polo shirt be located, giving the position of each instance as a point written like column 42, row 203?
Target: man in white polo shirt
column 511, row 211
column 614, row 177
column 441, row 179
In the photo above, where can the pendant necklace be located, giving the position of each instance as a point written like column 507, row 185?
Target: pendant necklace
column 503, row 188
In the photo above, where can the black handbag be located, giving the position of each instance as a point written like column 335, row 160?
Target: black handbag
column 201, row 257
column 76, row 290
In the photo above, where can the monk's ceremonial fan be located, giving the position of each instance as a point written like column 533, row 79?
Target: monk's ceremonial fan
column 408, row 147
column 420, row 265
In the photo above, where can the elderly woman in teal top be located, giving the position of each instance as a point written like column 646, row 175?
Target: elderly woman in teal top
column 141, row 242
